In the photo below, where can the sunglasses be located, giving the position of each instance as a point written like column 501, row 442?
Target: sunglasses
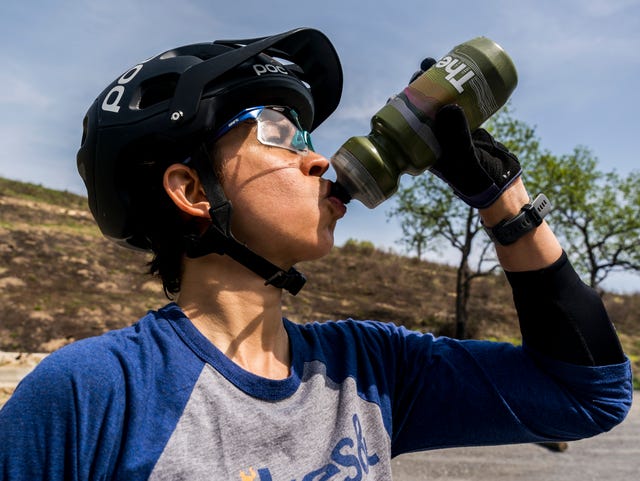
column 277, row 127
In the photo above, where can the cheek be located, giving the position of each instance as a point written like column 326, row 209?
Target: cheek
column 289, row 225
column 261, row 208
column 272, row 188
column 275, row 205
column 279, row 211
column 267, row 194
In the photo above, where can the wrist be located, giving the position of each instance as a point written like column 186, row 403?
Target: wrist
column 506, row 206
column 529, row 218
column 536, row 249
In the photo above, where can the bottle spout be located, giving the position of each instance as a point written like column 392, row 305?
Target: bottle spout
column 338, row 191
column 353, row 177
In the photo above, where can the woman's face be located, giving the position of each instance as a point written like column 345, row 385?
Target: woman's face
column 282, row 208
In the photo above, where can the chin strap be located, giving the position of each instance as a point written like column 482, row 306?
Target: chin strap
column 219, row 239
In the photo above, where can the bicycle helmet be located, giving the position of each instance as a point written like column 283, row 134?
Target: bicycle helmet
column 172, row 101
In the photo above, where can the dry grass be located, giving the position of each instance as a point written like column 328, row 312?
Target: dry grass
column 61, row 281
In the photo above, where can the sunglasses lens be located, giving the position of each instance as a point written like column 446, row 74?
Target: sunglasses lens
column 278, row 130
column 274, row 128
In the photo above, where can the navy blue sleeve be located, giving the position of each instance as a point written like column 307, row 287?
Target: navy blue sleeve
column 442, row 392
column 464, row 393
column 100, row 408
column 61, row 424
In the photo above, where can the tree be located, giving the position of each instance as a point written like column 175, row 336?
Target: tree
column 430, row 215
column 596, row 214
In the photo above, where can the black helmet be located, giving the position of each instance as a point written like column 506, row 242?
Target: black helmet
column 173, row 100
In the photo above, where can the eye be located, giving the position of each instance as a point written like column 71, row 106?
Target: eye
column 278, row 133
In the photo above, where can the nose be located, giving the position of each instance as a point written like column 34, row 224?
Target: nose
column 314, row 164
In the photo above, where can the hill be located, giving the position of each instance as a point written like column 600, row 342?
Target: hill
column 60, row 281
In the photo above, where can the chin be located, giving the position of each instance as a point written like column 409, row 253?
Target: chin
column 320, row 248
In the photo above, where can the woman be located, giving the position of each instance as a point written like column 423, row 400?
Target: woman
column 202, row 156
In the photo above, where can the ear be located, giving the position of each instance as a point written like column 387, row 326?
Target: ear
column 183, row 186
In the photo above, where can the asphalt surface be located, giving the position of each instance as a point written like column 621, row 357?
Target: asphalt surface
column 613, row 456
column 11, row 375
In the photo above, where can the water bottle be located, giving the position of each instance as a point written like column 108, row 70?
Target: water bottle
column 478, row 75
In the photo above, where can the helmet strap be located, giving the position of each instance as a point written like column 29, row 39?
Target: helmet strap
column 219, row 239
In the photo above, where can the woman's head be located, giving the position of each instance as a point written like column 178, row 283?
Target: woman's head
column 165, row 111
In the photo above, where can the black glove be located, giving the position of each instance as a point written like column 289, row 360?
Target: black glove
column 425, row 65
column 478, row 168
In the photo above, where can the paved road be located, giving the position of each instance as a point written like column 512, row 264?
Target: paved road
column 10, row 376
column 614, row 456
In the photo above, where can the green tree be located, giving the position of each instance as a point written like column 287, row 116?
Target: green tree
column 431, row 216
column 595, row 213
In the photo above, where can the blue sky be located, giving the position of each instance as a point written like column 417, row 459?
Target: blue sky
column 578, row 63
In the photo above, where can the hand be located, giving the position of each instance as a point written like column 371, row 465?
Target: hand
column 425, row 65
column 478, row 168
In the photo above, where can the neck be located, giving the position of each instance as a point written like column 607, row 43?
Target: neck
column 242, row 317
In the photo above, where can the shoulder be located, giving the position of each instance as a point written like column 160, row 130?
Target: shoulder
column 372, row 337
column 348, row 329
column 362, row 330
column 101, row 364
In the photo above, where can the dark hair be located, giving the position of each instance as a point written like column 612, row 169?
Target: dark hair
column 165, row 226
column 167, row 230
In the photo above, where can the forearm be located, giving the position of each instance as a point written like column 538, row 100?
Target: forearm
column 559, row 315
column 535, row 250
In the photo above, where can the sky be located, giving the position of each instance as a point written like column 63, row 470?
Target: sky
column 578, row 65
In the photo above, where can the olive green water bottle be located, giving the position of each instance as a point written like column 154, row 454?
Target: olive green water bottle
column 478, row 75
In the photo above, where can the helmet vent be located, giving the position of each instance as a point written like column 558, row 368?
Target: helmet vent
column 157, row 89
column 85, row 127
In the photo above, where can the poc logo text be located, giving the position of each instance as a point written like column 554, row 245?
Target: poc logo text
column 260, row 69
column 112, row 99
